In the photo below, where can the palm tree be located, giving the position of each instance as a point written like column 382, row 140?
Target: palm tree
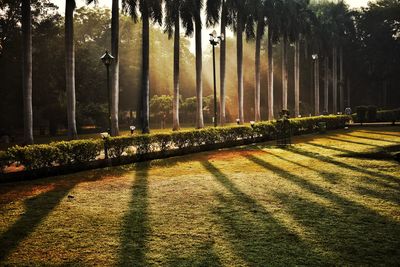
column 191, row 20
column 257, row 17
column 115, row 66
column 272, row 15
column 239, row 10
column 149, row 9
column 70, row 67
column 213, row 10
column 27, row 70
column 172, row 25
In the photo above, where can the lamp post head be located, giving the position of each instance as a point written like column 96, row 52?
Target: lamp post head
column 214, row 39
column 314, row 56
column 104, row 135
column 107, row 59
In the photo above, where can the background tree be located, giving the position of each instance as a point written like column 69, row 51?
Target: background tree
column 27, row 70
column 149, row 10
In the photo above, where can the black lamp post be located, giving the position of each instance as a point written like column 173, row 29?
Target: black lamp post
column 107, row 60
column 215, row 40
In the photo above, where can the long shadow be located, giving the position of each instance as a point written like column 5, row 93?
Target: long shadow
column 136, row 229
column 205, row 255
column 37, row 208
column 332, row 177
column 380, row 133
column 327, row 159
column 345, row 151
column 329, row 176
column 386, row 196
column 348, row 141
column 352, row 233
column 371, row 138
column 256, row 236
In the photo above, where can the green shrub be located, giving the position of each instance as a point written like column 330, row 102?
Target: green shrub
column 78, row 151
column 371, row 113
column 34, row 156
column 388, row 115
column 361, row 113
column 83, row 151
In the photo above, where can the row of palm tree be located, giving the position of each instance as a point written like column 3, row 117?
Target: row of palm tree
column 284, row 21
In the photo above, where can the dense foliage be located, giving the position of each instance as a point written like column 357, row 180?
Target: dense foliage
column 84, row 151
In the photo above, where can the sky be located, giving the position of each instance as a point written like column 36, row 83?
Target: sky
column 107, row 3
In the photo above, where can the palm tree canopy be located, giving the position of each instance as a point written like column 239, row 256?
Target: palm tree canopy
column 153, row 8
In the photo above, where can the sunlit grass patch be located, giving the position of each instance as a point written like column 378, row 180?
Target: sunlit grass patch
column 307, row 204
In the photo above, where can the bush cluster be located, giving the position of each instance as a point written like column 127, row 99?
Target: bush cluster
column 84, row 151
column 372, row 114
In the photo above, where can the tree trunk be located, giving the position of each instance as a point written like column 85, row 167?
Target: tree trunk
column 297, row 78
column 27, row 70
column 270, row 78
column 175, row 104
column 70, row 68
column 145, row 94
column 260, row 28
column 222, row 66
column 326, row 85
column 348, row 93
column 199, row 67
column 316, row 86
column 341, row 80
column 334, row 79
column 284, row 74
column 115, row 68
column 239, row 51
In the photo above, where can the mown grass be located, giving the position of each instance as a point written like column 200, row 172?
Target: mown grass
column 318, row 202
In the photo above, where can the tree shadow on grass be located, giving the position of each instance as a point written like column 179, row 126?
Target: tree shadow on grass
column 256, row 236
column 386, row 196
column 354, row 233
column 136, row 229
column 327, row 159
column 349, row 141
column 371, row 138
column 205, row 255
column 381, row 133
column 37, row 208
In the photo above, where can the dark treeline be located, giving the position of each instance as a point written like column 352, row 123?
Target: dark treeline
column 365, row 44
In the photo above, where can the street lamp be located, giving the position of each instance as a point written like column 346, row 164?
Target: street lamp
column 214, row 41
column 105, row 137
column 107, row 60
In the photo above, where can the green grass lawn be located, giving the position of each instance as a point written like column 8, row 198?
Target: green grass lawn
column 327, row 200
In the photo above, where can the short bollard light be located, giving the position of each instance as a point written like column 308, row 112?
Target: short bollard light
column 252, row 124
column 132, row 128
column 237, row 121
column 105, row 137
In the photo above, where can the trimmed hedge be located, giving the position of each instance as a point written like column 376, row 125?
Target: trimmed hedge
column 81, row 152
column 371, row 114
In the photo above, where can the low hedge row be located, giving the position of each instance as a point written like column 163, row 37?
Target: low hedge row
column 83, row 151
column 371, row 114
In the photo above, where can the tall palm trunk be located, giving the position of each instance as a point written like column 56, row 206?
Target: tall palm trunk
column 297, row 78
column 316, row 86
column 270, row 77
column 284, row 74
column 334, row 79
column 326, row 84
column 27, row 70
column 70, row 68
column 348, row 93
column 199, row 67
column 341, row 80
column 175, row 104
column 260, row 29
column 222, row 66
column 145, row 92
column 115, row 68
column 239, row 50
